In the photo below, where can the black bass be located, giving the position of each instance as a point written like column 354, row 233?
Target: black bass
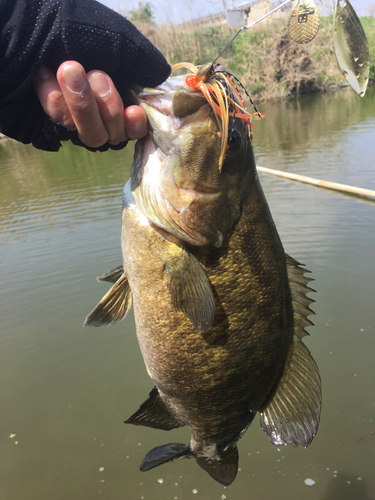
column 220, row 309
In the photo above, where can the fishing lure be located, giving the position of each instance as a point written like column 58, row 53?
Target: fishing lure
column 303, row 22
column 350, row 41
column 217, row 86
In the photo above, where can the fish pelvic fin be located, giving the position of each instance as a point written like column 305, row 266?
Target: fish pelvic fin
column 292, row 416
column 115, row 304
column 163, row 454
column 300, row 301
column 224, row 471
column 190, row 289
column 154, row 413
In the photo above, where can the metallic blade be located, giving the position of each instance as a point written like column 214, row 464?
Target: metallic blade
column 303, row 21
column 351, row 47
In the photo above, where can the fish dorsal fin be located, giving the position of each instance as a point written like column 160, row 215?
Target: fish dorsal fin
column 190, row 289
column 154, row 413
column 224, row 471
column 300, row 301
column 114, row 306
column 163, row 454
column 113, row 275
column 292, row 415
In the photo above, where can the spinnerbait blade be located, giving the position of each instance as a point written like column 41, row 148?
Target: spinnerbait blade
column 303, row 21
column 351, row 47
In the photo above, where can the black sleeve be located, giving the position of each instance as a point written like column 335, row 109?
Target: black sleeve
column 33, row 32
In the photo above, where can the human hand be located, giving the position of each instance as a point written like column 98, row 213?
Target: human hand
column 89, row 102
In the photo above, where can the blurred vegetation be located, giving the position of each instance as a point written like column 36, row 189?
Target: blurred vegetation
column 143, row 15
column 368, row 24
column 267, row 61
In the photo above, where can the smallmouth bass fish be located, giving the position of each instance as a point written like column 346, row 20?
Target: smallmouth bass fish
column 220, row 309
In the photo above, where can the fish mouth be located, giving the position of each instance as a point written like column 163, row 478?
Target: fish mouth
column 152, row 142
column 166, row 192
column 164, row 200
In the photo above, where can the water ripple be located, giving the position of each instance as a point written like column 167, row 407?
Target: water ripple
column 59, row 210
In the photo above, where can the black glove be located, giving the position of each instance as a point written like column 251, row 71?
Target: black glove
column 51, row 32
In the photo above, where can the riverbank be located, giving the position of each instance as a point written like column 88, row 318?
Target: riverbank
column 267, row 61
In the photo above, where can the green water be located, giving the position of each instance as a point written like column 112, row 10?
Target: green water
column 65, row 390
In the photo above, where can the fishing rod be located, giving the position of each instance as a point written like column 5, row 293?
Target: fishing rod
column 335, row 186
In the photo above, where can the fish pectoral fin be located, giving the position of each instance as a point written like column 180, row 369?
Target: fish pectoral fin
column 190, row 289
column 113, row 307
column 292, row 415
column 154, row 413
column 163, row 454
column 224, row 471
column 113, row 275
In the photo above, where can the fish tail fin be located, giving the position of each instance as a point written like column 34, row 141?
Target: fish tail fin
column 224, row 471
column 163, row 454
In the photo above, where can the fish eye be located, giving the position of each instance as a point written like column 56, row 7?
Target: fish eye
column 234, row 139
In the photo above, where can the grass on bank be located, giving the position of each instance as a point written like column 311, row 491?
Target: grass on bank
column 268, row 63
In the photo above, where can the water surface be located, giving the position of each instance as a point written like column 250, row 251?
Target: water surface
column 65, row 390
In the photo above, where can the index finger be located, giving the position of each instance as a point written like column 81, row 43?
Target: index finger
column 82, row 105
column 51, row 98
column 110, row 105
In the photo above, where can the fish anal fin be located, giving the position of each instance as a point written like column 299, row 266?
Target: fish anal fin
column 190, row 289
column 224, row 471
column 154, row 413
column 113, row 307
column 113, row 275
column 292, row 415
column 163, row 454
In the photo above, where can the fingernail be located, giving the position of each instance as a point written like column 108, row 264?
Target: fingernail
column 74, row 79
column 99, row 84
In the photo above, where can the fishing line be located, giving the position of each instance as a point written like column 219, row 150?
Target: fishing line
column 250, row 26
column 303, row 25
